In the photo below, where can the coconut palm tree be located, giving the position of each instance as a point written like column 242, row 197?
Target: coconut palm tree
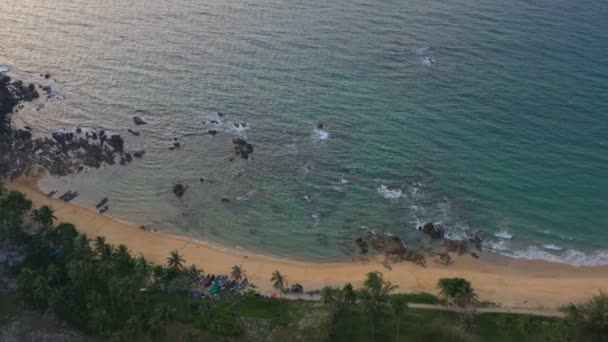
column 374, row 296
column 43, row 216
column 279, row 281
column 349, row 294
column 457, row 290
column 16, row 205
column 175, row 261
column 237, row 273
column 99, row 244
column 399, row 305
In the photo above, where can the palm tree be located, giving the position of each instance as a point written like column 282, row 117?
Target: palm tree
column 44, row 216
column 460, row 292
column 279, row 282
column 99, row 244
column 16, row 205
column 375, row 296
column 457, row 290
column 399, row 305
column 237, row 273
column 349, row 294
column 175, row 261
column 143, row 266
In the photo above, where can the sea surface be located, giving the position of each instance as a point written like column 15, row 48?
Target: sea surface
column 482, row 115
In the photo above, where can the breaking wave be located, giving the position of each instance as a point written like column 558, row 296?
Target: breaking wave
column 568, row 256
column 387, row 193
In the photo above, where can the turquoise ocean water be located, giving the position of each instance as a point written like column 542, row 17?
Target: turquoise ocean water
column 480, row 114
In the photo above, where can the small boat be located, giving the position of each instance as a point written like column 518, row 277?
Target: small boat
column 104, row 209
column 71, row 196
column 65, row 195
column 102, row 203
column 51, row 194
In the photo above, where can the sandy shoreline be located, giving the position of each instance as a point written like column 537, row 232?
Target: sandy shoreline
column 509, row 282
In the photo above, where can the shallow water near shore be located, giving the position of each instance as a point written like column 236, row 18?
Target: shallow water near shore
column 480, row 115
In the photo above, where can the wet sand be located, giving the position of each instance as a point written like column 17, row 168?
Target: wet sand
column 509, row 282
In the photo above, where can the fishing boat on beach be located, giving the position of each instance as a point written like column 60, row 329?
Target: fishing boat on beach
column 101, row 203
column 71, row 196
column 65, row 195
column 104, row 209
column 51, row 194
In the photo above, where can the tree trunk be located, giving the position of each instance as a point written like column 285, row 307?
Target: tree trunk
column 398, row 322
column 371, row 323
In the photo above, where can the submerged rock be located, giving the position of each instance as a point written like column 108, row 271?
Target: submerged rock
column 139, row 121
column 179, row 190
column 242, row 148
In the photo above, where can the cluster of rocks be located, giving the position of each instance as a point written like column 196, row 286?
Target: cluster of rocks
column 389, row 245
column 242, row 148
column 395, row 250
column 63, row 153
column 436, row 231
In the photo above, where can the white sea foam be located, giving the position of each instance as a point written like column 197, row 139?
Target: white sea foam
column 422, row 50
column 568, row 256
column 503, row 234
column 387, row 193
column 4, row 68
column 428, row 61
column 552, row 247
column 496, row 245
column 343, row 181
column 320, row 134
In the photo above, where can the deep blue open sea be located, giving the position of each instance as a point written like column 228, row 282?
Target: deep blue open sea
column 483, row 115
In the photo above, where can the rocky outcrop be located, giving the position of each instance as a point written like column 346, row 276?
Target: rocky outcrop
column 391, row 246
column 434, row 230
column 62, row 154
column 242, row 148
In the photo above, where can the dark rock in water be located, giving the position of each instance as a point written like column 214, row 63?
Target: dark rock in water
column 59, row 137
column 434, row 230
column 320, row 125
column 202, row 179
column 225, row 199
column 47, row 76
column 135, row 133
column 28, row 128
column 139, row 154
column 78, row 130
column 215, row 122
column 242, row 148
column 362, row 244
column 116, row 142
column 138, row 121
column 179, row 190
column 94, row 136
column 220, row 114
column 212, row 132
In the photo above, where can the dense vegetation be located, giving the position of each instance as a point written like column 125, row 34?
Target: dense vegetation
column 105, row 291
